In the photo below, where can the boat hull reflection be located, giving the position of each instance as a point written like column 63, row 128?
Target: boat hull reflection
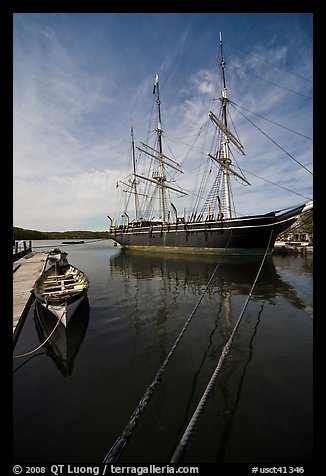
column 64, row 343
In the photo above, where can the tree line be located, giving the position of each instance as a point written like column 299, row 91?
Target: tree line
column 25, row 234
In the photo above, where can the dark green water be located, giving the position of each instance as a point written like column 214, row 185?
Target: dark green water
column 260, row 410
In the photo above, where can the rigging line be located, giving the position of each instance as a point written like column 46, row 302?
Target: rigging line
column 269, row 120
column 190, row 146
column 273, row 183
column 185, row 441
column 117, row 448
column 241, row 70
column 238, row 166
column 280, row 147
column 275, row 84
column 268, row 62
column 305, row 220
column 48, row 337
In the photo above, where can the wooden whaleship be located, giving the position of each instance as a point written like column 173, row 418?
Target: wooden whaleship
column 213, row 229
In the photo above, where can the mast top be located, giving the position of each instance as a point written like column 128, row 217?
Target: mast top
column 156, row 84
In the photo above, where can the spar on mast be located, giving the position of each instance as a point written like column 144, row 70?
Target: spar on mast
column 159, row 176
column 223, row 156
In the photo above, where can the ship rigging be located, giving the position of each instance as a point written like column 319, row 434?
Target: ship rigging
column 206, row 228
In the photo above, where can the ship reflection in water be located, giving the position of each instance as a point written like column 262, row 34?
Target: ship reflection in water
column 162, row 291
column 260, row 409
column 191, row 273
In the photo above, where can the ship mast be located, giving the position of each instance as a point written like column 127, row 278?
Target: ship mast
column 161, row 177
column 134, row 174
column 225, row 148
column 223, row 154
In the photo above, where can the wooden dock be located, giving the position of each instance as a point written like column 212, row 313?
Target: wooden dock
column 25, row 272
column 282, row 248
column 21, row 248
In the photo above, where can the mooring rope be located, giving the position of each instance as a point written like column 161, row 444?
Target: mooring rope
column 68, row 244
column 229, row 424
column 114, row 453
column 49, row 336
column 185, row 441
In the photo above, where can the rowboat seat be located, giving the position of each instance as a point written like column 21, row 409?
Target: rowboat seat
column 61, row 292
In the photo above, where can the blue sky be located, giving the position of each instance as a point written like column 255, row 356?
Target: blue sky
column 81, row 79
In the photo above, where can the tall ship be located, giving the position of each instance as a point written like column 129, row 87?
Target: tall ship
column 156, row 224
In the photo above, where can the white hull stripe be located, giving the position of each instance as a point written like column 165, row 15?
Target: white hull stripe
column 189, row 230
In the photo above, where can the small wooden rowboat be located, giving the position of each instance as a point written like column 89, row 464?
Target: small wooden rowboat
column 61, row 287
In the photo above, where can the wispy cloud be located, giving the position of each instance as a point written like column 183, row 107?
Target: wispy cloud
column 79, row 84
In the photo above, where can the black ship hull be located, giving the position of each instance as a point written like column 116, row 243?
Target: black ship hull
column 244, row 236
